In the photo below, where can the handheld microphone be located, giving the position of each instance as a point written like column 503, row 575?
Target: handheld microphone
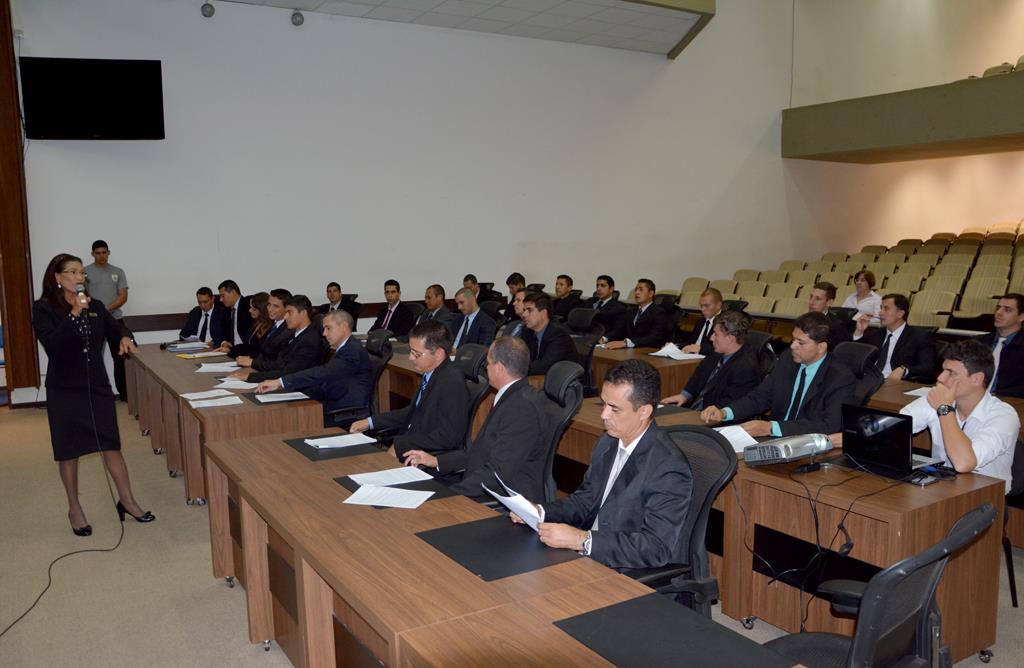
column 82, row 298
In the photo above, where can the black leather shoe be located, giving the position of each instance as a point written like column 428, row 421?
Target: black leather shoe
column 144, row 517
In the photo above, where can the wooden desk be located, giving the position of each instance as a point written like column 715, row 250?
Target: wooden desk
column 333, row 582
column 159, row 380
column 674, row 373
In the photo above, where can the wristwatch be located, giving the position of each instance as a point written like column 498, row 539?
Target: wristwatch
column 944, row 409
column 586, row 543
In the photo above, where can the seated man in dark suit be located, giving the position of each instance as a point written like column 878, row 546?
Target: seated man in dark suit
column 433, row 300
column 631, row 507
column 515, row 282
column 435, row 421
column 346, row 381
column 727, row 374
column 396, row 318
column 646, row 325
column 513, row 439
column 335, row 300
column 205, row 320
column 481, row 293
column 275, row 339
column 565, row 301
column 515, row 326
column 805, row 391
column 610, row 311
column 548, row 341
column 304, row 350
column 821, row 299
column 1007, row 346
column 905, row 352
column 235, row 318
column 471, row 325
column 700, row 340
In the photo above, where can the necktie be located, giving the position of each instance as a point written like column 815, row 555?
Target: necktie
column 794, row 403
column 698, row 403
column 620, row 460
column 234, row 325
column 462, row 331
column 423, row 388
column 639, row 312
column 704, row 332
column 387, row 319
column 995, row 357
column 203, row 329
column 597, row 305
column 883, row 358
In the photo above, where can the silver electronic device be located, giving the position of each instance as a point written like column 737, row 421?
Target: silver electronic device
column 786, row 449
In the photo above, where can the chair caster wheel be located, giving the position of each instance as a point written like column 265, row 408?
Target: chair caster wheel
column 158, row 451
column 266, row 645
column 985, row 655
column 748, row 622
column 145, row 432
column 199, row 501
column 231, row 581
column 172, row 474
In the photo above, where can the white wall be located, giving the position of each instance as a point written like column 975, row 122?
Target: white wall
column 358, row 150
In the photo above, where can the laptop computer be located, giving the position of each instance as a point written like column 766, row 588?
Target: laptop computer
column 880, row 441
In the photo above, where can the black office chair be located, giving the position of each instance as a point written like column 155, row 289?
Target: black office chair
column 416, row 309
column 378, row 347
column 563, row 387
column 734, row 304
column 666, row 302
column 862, row 360
column 586, row 333
column 898, row 621
column 578, row 294
column 712, row 463
column 487, row 290
column 471, row 358
column 844, row 313
column 354, row 308
column 1014, row 499
column 535, row 287
column 491, row 308
column 761, row 344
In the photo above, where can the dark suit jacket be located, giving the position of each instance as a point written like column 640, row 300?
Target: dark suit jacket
column 442, row 315
column 821, row 410
column 269, row 347
column 561, row 307
column 611, row 315
column 734, row 380
column 345, row 305
column 512, row 443
column 298, row 353
column 555, row 345
column 1010, row 374
column 439, row 423
column 839, row 331
column 514, row 328
column 244, row 320
column 481, row 331
column 253, row 344
column 63, row 345
column 706, row 348
column 915, row 350
column 194, row 323
column 345, row 381
column 650, row 331
column 642, row 519
column 401, row 321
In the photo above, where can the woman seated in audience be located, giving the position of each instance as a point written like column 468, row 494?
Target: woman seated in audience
column 867, row 302
column 261, row 324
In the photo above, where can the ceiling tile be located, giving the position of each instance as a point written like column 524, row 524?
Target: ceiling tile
column 523, row 30
column 531, row 5
column 616, row 15
column 419, row 5
column 393, row 14
column 303, row 5
column 549, row 20
column 589, row 26
column 484, row 25
column 599, row 40
column 500, row 13
column 626, row 32
column 440, row 20
column 345, row 8
column 461, row 8
column 575, row 9
column 564, row 35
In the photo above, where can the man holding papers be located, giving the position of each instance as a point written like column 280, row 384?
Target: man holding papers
column 630, row 509
column 435, row 421
column 347, row 378
column 512, row 442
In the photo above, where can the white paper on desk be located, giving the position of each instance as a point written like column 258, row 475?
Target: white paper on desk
column 280, row 396
column 195, row 356
column 209, row 394
column 232, row 384
column 211, row 403
column 517, row 503
column 395, row 476
column 919, row 392
column 737, row 435
column 672, row 350
column 185, row 346
column 218, row 367
column 343, row 441
column 389, row 497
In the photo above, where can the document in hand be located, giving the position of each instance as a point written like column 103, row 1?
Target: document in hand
column 280, row 396
column 343, row 441
column 672, row 351
column 395, row 476
column 388, row 497
column 517, row 503
column 737, row 435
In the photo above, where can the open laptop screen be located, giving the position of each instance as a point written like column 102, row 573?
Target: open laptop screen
column 873, row 437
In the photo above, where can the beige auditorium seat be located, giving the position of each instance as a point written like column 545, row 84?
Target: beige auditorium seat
column 782, row 290
column 690, row 300
column 990, row 271
column 792, row 265
column 931, row 308
column 741, row 275
column 835, row 257
column 694, row 284
column 873, row 250
column 774, row 276
column 904, row 283
column 724, row 286
column 751, row 288
column 820, row 266
column 802, row 277
column 793, row 306
column 759, row 304
column 866, row 257
column 937, row 283
column 850, row 267
column 837, row 278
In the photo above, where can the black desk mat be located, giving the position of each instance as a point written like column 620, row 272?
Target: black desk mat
column 439, row 489
column 495, row 548
column 251, row 396
column 323, row 454
column 671, row 410
column 653, row 630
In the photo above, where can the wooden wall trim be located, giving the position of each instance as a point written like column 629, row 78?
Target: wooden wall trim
column 20, row 350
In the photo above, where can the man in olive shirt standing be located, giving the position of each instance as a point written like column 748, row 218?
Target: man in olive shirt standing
column 108, row 284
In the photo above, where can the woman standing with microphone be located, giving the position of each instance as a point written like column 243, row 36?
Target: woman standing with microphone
column 73, row 330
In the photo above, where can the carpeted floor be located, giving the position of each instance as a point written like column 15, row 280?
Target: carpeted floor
column 154, row 601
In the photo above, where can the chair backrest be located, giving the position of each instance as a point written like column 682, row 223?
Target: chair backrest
column 354, row 308
column 850, row 267
column 471, row 359
column 751, row 288
column 724, row 286
column 792, row 265
column 378, row 347
column 868, row 254
column 894, row 256
column 820, row 266
column 793, row 306
column 565, row 391
column 535, row 287
column 835, row 257
column 782, row 290
column 586, row 334
column 741, row 275
column 986, row 287
column 802, row 277
column 734, row 304
column 580, row 320
column 712, row 463
column 759, row 304
column 760, row 344
column 992, row 270
column 689, row 300
column 694, row 284
column 416, row 308
column 898, row 612
column 861, row 358
column 886, row 267
column 932, row 307
column 492, row 309
column 666, row 300
column 903, row 283
column 774, row 276
column 836, row 278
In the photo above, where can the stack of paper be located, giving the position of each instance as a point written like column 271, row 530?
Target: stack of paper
column 209, row 394
column 211, row 403
column 395, row 476
column 232, row 384
column 375, row 488
column 280, row 396
column 737, row 436
column 517, row 503
column 194, row 356
column 218, row 367
column 672, row 350
column 184, row 346
column 343, row 441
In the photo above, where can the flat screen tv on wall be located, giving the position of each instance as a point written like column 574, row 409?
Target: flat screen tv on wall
column 88, row 98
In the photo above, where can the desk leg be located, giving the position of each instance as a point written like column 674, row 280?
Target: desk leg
column 384, row 391
column 192, row 457
column 257, row 575
column 733, row 550
column 316, row 619
column 220, row 522
column 169, row 430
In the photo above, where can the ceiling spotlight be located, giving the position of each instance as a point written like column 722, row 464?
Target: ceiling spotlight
column 297, row 18
column 207, row 9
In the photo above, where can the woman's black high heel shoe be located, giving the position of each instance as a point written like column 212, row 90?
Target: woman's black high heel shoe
column 122, row 511
column 81, row 531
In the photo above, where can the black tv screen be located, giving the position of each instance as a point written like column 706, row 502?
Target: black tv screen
column 86, row 98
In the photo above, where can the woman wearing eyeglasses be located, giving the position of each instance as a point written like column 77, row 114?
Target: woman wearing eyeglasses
column 74, row 330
